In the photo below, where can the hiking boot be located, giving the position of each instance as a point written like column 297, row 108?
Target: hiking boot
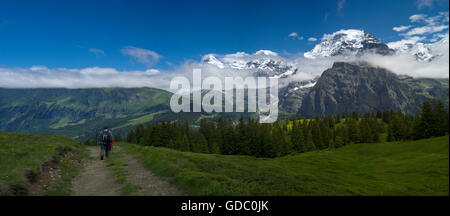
column 101, row 157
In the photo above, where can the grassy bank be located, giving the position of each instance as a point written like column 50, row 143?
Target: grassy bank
column 395, row 168
column 24, row 157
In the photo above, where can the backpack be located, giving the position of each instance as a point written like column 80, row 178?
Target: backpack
column 106, row 137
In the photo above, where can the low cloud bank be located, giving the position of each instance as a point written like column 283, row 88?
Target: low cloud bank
column 407, row 65
column 98, row 77
column 94, row 77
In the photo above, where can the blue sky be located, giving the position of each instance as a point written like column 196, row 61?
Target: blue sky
column 80, row 34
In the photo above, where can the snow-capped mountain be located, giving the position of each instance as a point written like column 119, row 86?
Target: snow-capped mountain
column 352, row 42
column 269, row 64
column 261, row 63
column 349, row 42
column 211, row 59
column 421, row 51
column 298, row 76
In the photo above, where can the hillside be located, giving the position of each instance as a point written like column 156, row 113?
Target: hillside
column 78, row 112
column 24, row 158
column 394, row 168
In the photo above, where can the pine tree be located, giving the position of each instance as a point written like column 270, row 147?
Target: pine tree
column 172, row 144
column 214, row 148
column 309, row 144
column 184, row 145
column 427, row 122
column 270, row 149
column 331, row 138
column 316, row 135
column 353, row 132
column 297, row 138
column 199, row 143
column 440, row 118
column 242, row 133
column 365, row 132
column 339, row 141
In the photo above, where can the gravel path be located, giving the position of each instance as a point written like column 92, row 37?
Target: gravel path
column 97, row 180
column 151, row 185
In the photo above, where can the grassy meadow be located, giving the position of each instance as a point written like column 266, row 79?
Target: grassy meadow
column 391, row 168
column 22, row 157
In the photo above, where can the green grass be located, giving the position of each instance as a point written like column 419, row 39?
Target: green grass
column 68, row 172
column 116, row 163
column 129, row 189
column 23, row 155
column 395, row 168
column 141, row 120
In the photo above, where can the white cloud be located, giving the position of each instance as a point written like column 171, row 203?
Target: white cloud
column 424, row 26
column 152, row 71
column 408, row 65
column 404, row 64
column 437, row 37
column 144, row 56
column 417, row 17
column 424, row 3
column 43, row 77
column 442, row 17
column 340, row 5
column 295, row 36
column 401, row 28
column 403, row 42
column 97, row 52
column 426, row 30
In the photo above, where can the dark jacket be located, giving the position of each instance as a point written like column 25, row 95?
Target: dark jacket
column 100, row 136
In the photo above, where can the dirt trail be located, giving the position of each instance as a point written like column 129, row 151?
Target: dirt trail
column 97, row 180
column 151, row 185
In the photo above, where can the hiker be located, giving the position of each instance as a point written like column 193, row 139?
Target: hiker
column 105, row 140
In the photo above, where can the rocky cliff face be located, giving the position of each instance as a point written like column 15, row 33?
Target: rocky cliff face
column 348, row 87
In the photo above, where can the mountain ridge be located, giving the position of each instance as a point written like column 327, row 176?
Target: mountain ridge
column 361, row 87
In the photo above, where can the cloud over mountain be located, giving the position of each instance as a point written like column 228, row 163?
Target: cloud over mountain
column 92, row 77
column 422, row 51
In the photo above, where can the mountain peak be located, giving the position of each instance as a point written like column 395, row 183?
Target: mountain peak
column 266, row 52
column 211, row 59
column 348, row 42
column 426, row 52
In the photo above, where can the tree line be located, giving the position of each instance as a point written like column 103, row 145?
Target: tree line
column 295, row 135
column 432, row 121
